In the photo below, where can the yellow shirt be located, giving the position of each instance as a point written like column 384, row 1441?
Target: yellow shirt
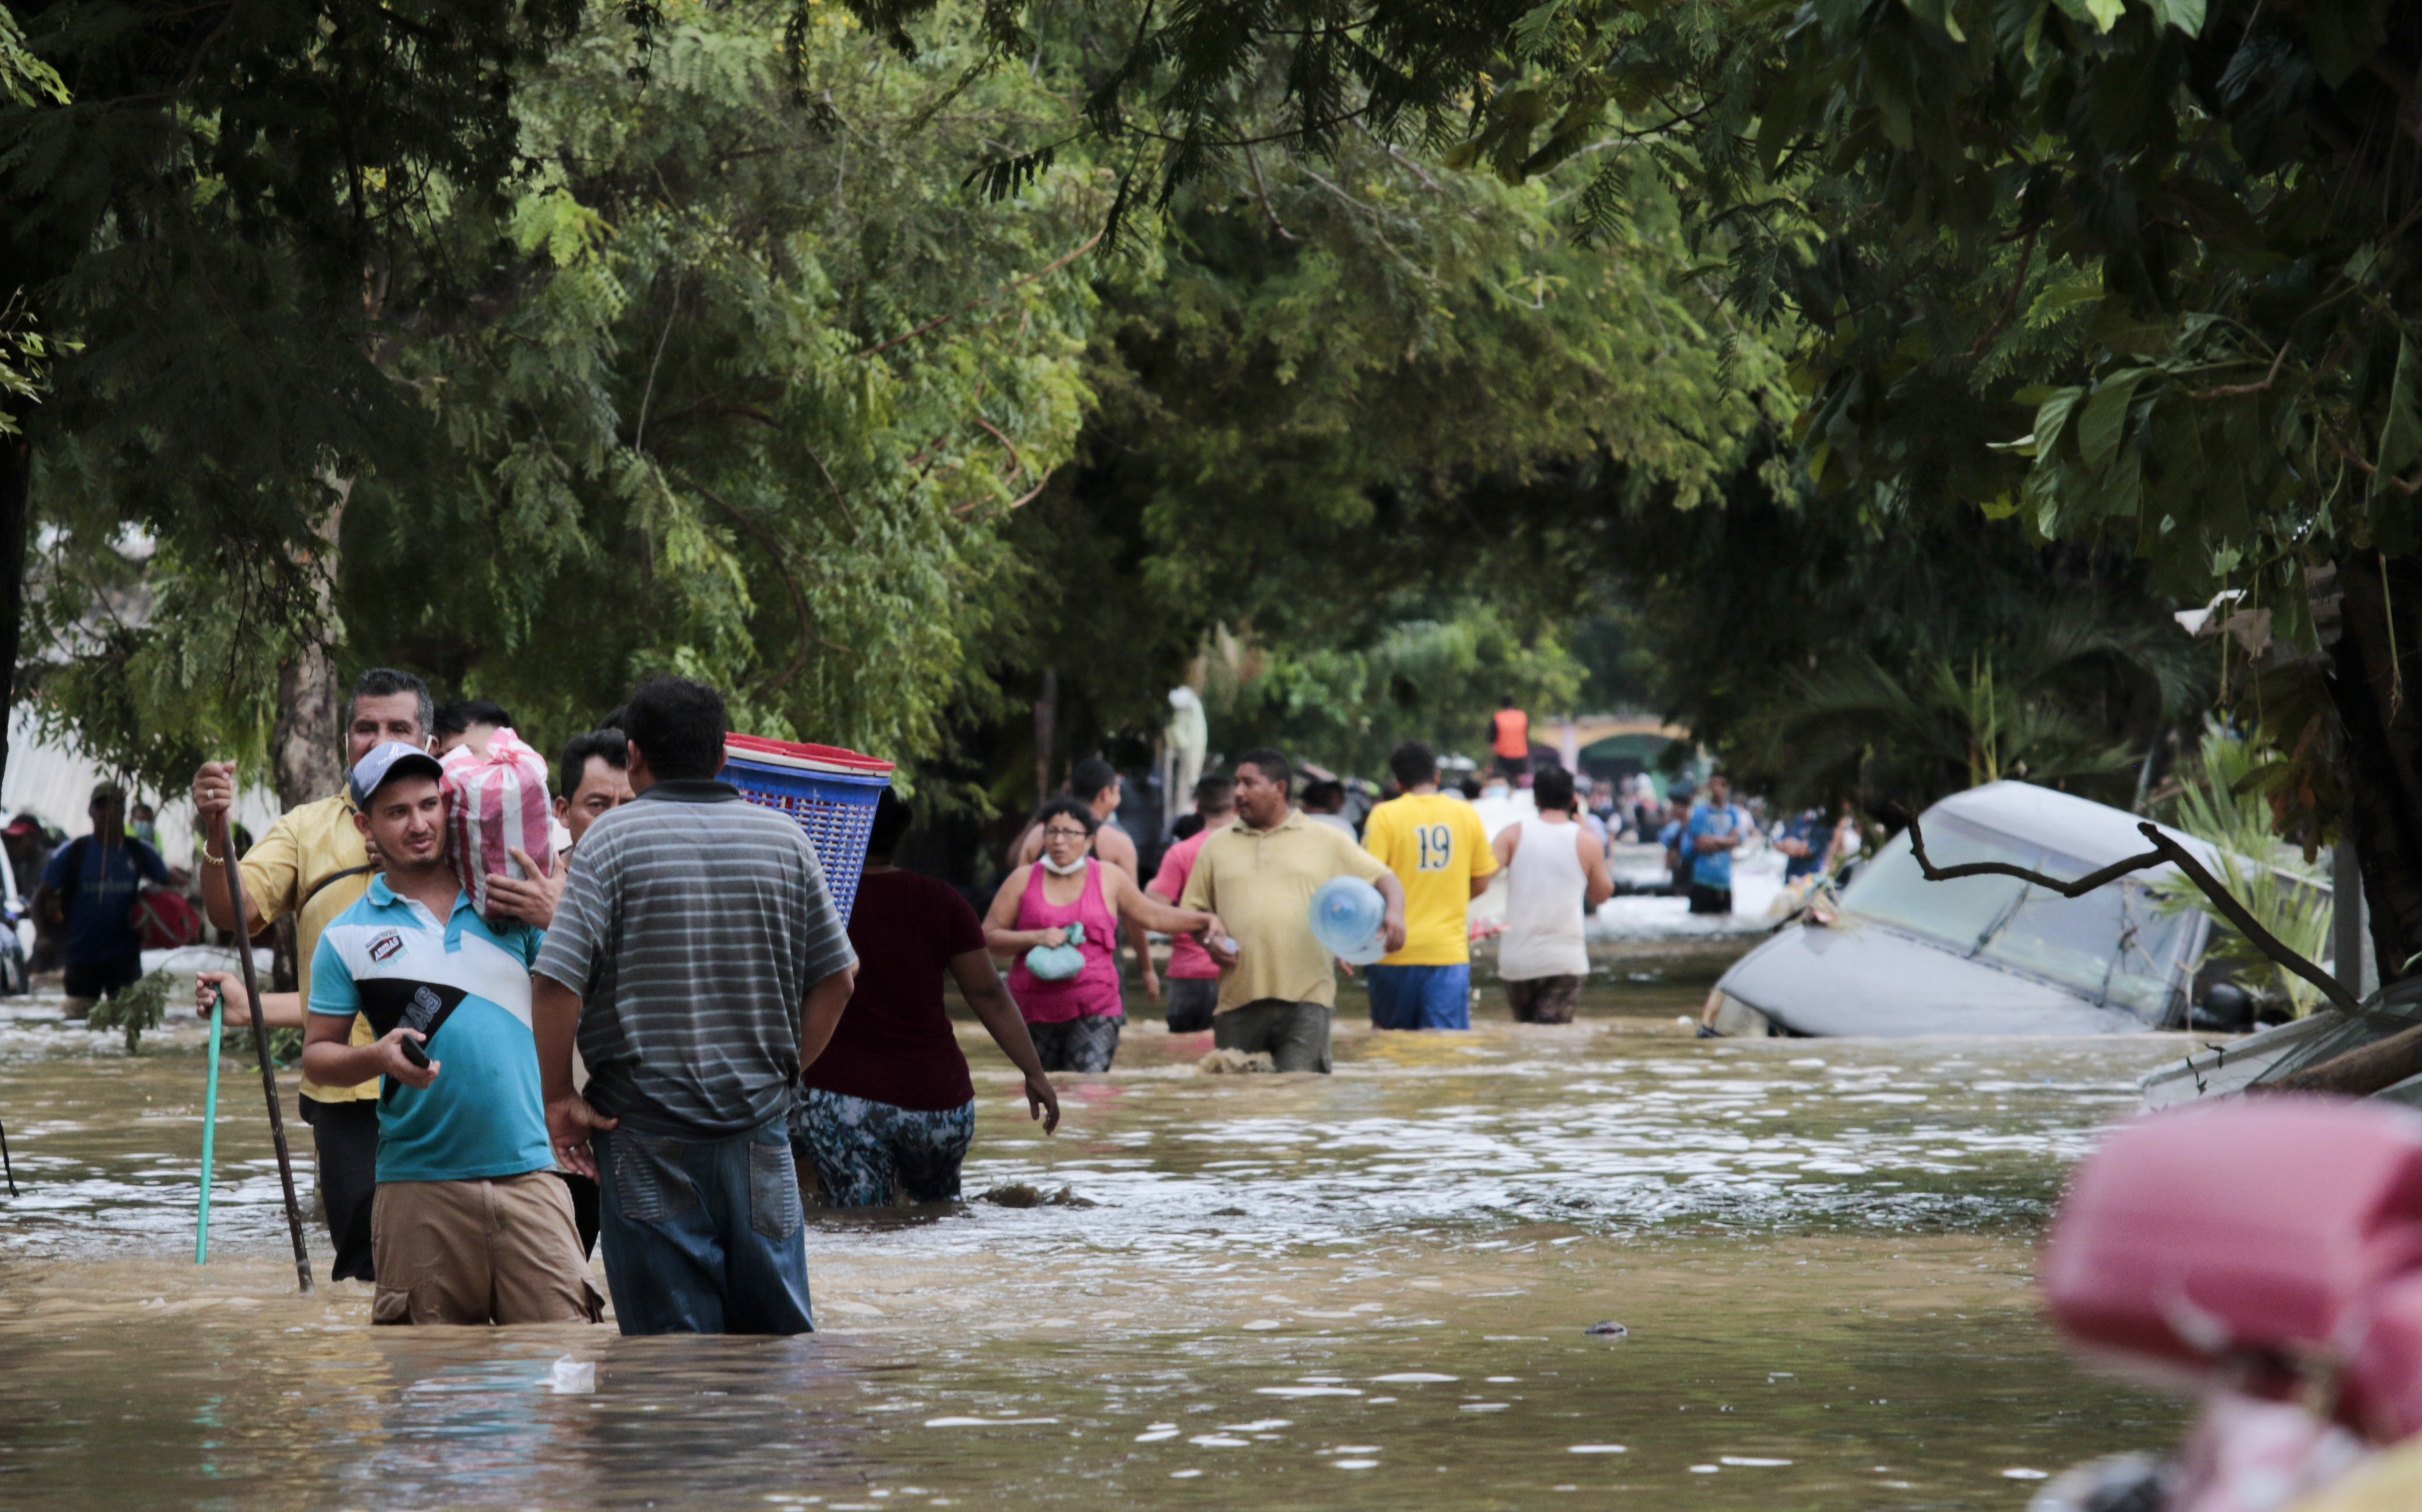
column 1260, row 882
column 315, row 840
column 1436, row 846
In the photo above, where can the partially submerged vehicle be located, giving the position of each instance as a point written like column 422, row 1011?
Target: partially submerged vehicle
column 1899, row 954
column 2232, row 1066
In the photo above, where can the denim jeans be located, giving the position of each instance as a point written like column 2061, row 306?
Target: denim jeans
column 704, row 1236
column 1420, row 996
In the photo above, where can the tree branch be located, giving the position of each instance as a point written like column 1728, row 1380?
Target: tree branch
column 2233, row 390
column 963, row 511
column 1015, row 283
column 2164, row 849
column 1262, row 192
column 2347, row 454
column 799, row 599
column 1015, row 460
column 2009, row 306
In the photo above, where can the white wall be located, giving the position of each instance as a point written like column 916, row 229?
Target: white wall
column 55, row 780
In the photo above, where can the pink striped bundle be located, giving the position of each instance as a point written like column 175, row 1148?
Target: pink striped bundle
column 496, row 804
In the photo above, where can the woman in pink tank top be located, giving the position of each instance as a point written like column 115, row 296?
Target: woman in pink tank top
column 1075, row 1020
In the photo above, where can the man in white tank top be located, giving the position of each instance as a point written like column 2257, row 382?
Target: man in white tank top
column 1555, row 874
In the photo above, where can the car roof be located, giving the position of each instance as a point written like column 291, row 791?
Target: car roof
column 2080, row 829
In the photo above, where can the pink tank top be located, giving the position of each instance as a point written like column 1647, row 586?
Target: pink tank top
column 1093, row 992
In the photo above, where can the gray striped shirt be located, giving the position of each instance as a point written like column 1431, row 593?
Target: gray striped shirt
column 692, row 928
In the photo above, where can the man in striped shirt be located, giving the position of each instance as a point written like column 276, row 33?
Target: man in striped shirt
column 697, row 955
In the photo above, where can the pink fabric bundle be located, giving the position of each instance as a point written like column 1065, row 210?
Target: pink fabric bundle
column 496, row 804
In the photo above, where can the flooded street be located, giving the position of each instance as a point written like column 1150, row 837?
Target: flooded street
column 1366, row 1290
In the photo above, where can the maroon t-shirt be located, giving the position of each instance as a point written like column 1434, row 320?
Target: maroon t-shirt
column 894, row 1044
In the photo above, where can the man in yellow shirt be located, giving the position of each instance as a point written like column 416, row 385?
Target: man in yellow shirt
column 312, row 865
column 1278, row 986
column 1438, row 849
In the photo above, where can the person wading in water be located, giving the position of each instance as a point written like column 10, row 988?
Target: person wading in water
column 313, row 865
column 1555, row 874
column 470, row 1224
column 889, row 1110
column 698, row 956
column 1075, row 1018
column 1278, row 984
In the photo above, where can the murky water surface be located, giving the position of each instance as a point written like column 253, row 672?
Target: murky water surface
column 1361, row 1291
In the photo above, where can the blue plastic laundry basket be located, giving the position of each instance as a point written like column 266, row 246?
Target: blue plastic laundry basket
column 829, row 791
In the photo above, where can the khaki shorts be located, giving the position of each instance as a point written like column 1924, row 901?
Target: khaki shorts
column 502, row 1249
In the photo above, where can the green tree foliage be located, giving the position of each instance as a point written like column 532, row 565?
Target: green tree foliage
column 729, row 375
column 1433, row 679
column 1354, row 428
column 1892, row 662
column 29, row 82
column 223, row 220
column 2138, row 271
column 226, row 216
column 761, row 390
column 2274, row 881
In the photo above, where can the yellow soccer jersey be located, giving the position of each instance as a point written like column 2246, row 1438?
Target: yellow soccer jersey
column 1436, row 846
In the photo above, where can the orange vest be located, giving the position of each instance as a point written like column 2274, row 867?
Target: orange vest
column 1513, row 733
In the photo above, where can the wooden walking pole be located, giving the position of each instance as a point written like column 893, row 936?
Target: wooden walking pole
column 209, row 1130
column 260, row 1048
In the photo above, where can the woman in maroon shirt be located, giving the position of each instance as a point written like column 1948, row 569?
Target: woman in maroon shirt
column 888, row 1108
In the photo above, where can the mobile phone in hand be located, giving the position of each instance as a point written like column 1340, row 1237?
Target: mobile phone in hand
column 413, row 1052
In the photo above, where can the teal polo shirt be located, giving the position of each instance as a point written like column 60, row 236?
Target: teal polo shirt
column 464, row 983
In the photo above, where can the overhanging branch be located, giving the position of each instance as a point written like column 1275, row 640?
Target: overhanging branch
column 2164, row 850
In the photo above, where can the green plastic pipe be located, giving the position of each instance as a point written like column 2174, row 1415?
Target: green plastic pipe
column 210, row 1131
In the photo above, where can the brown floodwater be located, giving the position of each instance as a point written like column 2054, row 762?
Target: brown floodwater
column 1368, row 1291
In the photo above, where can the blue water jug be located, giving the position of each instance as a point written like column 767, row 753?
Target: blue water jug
column 1349, row 917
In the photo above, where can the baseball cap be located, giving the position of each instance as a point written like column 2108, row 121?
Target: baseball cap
column 387, row 760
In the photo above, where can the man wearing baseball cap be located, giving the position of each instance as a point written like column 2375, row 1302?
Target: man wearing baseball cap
column 470, row 1224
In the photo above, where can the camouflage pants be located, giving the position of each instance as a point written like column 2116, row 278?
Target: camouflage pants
column 865, row 1153
column 1086, row 1044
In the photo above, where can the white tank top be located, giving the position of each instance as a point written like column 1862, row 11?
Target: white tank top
column 1545, row 901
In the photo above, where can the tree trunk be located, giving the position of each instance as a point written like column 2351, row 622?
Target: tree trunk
column 1047, row 714
column 2380, row 710
column 307, row 748
column 16, row 518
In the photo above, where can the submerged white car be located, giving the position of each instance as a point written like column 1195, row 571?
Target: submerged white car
column 1989, row 955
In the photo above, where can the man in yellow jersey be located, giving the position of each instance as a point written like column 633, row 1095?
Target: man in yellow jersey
column 313, row 864
column 1438, row 849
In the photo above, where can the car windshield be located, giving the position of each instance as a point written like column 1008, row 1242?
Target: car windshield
column 2115, row 945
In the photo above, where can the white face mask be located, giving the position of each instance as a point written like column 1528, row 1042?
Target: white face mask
column 1057, row 870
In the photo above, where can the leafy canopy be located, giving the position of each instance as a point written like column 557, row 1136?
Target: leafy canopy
column 2137, row 270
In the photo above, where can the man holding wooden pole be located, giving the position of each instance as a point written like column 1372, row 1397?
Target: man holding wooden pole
column 313, row 864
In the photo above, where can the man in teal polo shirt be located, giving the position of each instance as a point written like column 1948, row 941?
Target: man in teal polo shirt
column 470, row 1224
